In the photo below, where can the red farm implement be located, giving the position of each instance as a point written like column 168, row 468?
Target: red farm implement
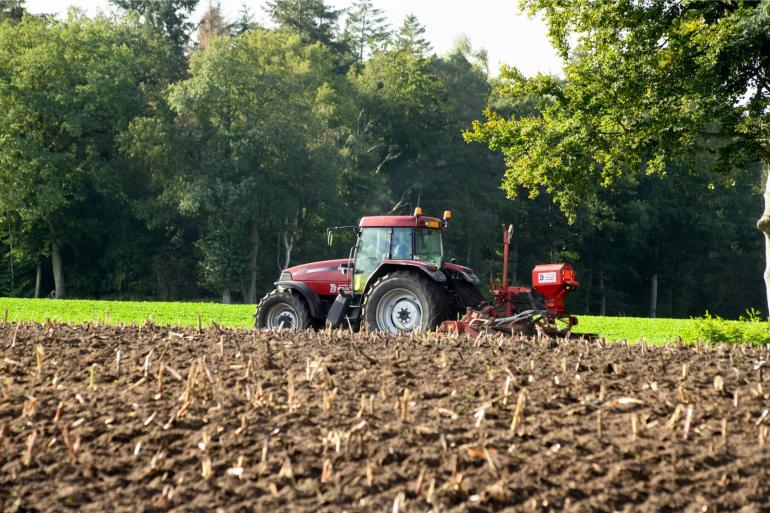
column 516, row 310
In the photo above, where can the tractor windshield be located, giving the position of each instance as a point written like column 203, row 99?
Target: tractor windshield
column 427, row 246
column 378, row 244
column 419, row 244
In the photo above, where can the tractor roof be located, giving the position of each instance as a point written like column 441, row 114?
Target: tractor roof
column 400, row 222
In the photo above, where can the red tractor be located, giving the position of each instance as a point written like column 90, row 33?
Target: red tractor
column 397, row 281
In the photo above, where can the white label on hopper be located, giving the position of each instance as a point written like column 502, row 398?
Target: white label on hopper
column 549, row 277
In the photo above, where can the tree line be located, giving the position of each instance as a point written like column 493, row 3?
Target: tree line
column 143, row 157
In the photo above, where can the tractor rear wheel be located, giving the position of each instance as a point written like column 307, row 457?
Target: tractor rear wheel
column 282, row 309
column 404, row 302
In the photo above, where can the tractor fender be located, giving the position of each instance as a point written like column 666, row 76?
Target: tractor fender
column 308, row 294
column 458, row 271
column 470, row 277
column 386, row 267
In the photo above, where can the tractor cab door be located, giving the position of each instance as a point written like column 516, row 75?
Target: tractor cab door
column 372, row 248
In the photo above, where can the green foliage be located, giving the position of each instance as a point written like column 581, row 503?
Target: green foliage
column 167, row 17
column 649, row 146
column 634, row 329
column 243, row 146
column 650, row 88
column 410, row 37
column 12, row 10
column 245, row 21
column 67, row 91
column 750, row 328
column 366, row 29
column 403, row 97
column 312, row 20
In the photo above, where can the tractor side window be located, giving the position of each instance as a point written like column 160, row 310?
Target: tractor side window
column 373, row 248
column 401, row 245
column 428, row 246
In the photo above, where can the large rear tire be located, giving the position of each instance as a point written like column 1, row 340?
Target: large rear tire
column 280, row 309
column 403, row 302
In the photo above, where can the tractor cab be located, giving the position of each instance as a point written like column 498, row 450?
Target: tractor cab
column 396, row 240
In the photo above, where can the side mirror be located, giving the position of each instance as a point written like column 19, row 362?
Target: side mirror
column 329, row 237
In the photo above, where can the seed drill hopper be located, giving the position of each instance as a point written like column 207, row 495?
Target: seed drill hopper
column 538, row 310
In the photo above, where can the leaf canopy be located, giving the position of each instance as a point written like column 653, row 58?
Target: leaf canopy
column 649, row 85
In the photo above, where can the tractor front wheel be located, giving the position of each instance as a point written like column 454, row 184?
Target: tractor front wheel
column 282, row 309
column 403, row 302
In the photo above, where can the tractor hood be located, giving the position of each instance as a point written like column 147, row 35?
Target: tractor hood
column 306, row 272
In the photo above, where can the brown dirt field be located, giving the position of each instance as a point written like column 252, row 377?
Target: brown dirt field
column 248, row 421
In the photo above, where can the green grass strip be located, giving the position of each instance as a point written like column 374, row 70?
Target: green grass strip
column 119, row 312
column 655, row 331
column 632, row 329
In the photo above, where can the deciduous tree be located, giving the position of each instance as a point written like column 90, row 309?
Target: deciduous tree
column 252, row 151
column 11, row 10
column 651, row 87
column 168, row 17
column 67, row 91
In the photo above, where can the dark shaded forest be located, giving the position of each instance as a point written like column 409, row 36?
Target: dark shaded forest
column 145, row 157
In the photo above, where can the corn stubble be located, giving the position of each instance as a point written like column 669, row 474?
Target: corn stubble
column 131, row 418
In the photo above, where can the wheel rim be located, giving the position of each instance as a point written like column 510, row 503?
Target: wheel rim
column 282, row 316
column 399, row 311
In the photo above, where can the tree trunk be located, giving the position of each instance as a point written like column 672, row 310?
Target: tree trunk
column 675, row 279
column 227, row 297
column 654, row 296
column 39, row 280
column 602, row 292
column 764, row 226
column 291, row 234
column 58, row 271
column 288, row 245
column 588, row 282
column 468, row 251
column 252, row 292
column 654, row 278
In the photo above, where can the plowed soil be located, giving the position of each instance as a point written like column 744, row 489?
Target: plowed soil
column 157, row 419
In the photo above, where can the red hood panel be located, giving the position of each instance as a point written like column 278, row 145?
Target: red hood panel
column 324, row 278
column 305, row 272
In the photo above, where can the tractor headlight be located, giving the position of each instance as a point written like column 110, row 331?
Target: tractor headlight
column 285, row 276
